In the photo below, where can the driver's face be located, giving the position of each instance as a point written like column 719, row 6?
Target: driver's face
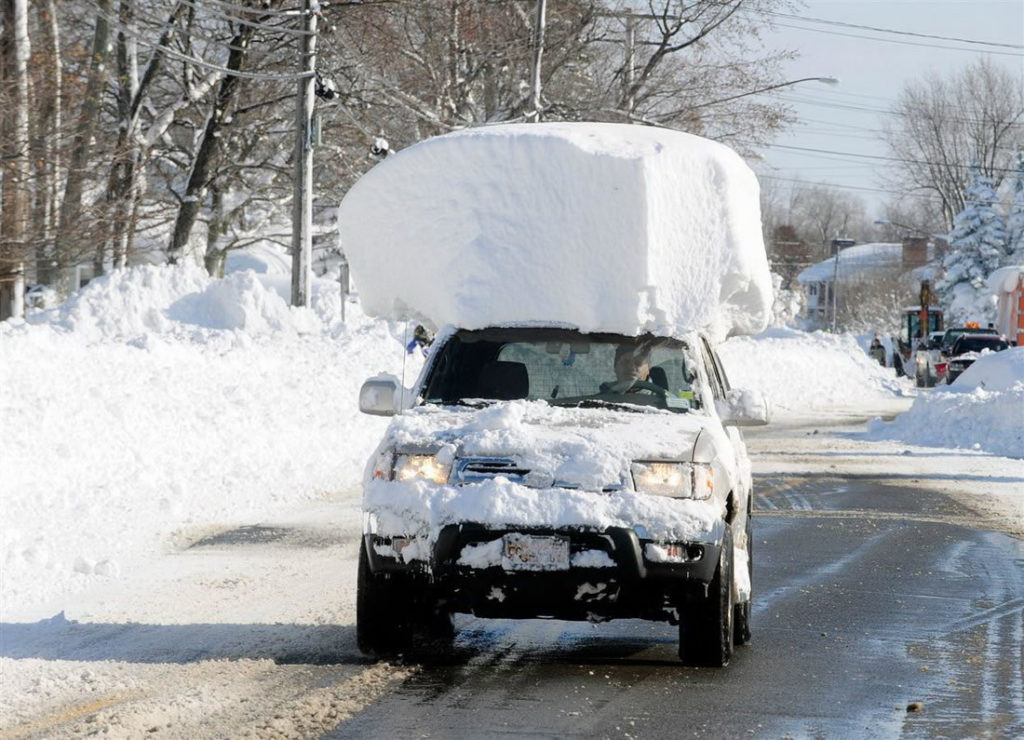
column 632, row 367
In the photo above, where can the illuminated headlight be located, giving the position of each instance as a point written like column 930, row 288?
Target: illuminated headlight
column 679, row 480
column 420, row 467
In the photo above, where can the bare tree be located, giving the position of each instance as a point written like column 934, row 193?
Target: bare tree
column 414, row 68
column 14, row 133
column 940, row 126
column 874, row 301
column 68, row 227
column 819, row 213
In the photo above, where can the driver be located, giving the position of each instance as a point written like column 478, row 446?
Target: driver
column 632, row 363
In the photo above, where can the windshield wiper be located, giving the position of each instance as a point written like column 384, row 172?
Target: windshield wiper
column 601, row 403
column 475, row 403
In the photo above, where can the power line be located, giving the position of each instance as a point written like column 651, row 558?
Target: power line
column 881, row 157
column 795, row 99
column 898, row 32
column 897, row 41
column 143, row 40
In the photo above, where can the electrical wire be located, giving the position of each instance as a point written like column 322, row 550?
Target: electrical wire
column 878, row 29
column 880, row 157
column 144, row 41
column 242, row 22
column 897, row 41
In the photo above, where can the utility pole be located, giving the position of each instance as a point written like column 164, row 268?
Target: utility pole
column 538, row 52
column 302, row 198
column 628, row 73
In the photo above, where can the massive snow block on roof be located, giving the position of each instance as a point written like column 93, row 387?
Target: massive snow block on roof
column 602, row 226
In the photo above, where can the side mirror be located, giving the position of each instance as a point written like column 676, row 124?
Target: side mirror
column 379, row 396
column 743, row 408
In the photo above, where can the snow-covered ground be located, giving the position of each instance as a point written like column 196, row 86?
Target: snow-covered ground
column 158, row 407
column 158, row 402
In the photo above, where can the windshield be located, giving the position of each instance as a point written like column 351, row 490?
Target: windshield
column 977, row 344
column 563, row 367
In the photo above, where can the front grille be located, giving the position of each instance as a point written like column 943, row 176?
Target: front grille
column 480, row 469
column 477, row 469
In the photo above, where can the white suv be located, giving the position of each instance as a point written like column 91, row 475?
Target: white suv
column 542, row 472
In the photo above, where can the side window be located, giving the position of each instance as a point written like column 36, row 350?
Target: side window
column 717, row 361
column 715, row 376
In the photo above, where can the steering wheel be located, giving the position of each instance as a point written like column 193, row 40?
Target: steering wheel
column 646, row 385
column 626, row 386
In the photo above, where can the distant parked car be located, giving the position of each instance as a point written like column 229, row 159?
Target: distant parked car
column 969, row 347
column 932, row 359
column 951, row 335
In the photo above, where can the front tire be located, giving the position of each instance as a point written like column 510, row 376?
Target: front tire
column 398, row 614
column 741, row 617
column 380, row 631
column 706, row 626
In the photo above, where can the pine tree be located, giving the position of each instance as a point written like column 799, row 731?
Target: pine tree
column 1015, row 216
column 977, row 246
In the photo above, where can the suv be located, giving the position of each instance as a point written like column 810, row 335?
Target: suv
column 931, row 365
column 543, row 472
column 967, row 348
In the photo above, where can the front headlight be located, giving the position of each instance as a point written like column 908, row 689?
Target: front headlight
column 678, row 480
column 420, row 467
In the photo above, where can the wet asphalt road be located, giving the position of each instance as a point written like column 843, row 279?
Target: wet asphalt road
column 880, row 612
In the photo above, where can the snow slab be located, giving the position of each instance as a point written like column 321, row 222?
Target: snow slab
column 606, row 227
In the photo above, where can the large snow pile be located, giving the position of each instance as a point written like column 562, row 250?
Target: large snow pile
column 158, row 401
column 601, row 226
column 982, row 410
column 800, row 371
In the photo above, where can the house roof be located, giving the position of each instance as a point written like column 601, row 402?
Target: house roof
column 857, row 260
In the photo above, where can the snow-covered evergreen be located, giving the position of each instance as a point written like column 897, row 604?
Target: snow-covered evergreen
column 977, row 246
column 1015, row 215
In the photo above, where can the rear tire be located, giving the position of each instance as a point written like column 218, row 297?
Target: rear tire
column 706, row 626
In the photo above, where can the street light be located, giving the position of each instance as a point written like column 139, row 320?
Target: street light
column 887, row 222
column 831, row 81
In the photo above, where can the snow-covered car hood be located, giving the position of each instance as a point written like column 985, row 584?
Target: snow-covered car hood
column 586, row 448
column 579, row 463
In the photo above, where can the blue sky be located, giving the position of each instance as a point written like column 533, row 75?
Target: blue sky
column 873, row 67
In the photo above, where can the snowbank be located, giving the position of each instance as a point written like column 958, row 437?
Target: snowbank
column 799, row 372
column 982, row 410
column 601, row 226
column 157, row 402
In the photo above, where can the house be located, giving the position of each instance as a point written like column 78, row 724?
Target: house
column 823, row 283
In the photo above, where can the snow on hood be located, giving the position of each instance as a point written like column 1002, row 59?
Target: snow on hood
column 606, row 227
column 588, row 448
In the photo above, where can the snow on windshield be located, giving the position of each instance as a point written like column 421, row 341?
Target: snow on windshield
column 605, row 227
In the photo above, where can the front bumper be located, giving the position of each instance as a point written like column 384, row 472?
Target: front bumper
column 632, row 585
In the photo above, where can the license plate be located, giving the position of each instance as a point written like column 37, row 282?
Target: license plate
column 531, row 552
